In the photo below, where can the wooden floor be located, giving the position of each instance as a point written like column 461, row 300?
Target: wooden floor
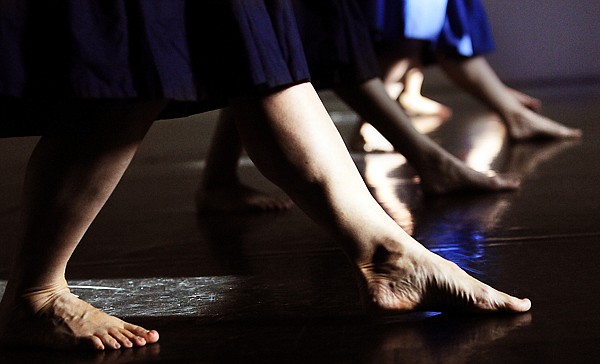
column 275, row 288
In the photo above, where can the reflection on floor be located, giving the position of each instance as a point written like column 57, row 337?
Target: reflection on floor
column 276, row 288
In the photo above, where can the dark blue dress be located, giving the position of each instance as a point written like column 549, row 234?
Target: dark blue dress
column 202, row 51
column 337, row 42
column 455, row 28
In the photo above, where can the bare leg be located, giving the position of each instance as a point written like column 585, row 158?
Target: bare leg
column 394, row 63
column 294, row 143
column 68, row 180
column 477, row 77
column 221, row 188
column 402, row 78
column 402, row 75
column 394, row 68
column 440, row 171
column 413, row 102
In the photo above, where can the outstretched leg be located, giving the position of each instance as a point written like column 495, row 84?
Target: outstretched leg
column 402, row 79
column 440, row 172
column 68, row 180
column 221, row 188
column 477, row 77
column 292, row 140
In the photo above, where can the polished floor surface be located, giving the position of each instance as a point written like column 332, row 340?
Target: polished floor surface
column 276, row 288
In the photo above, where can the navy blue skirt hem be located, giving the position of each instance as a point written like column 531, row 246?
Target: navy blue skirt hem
column 176, row 49
column 204, row 52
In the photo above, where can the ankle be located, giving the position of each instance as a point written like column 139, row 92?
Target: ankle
column 35, row 297
column 512, row 115
column 431, row 158
column 39, row 299
column 380, row 252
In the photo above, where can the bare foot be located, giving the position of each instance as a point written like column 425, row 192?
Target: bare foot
column 367, row 139
column 530, row 102
column 528, row 125
column 441, row 173
column 419, row 105
column 447, row 174
column 239, row 198
column 418, row 280
column 54, row 318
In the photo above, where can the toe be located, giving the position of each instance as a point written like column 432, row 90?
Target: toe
column 152, row 336
column 109, row 341
column 139, row 341
column 149, row 336
column 90, row 342
column 122, row 338
column 518, row 305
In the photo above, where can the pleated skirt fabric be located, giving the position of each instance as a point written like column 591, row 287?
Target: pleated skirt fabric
column 337, row 42
column 205, row 52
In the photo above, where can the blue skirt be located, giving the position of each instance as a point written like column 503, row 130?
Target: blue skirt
column 454, row 28
column 204, row 51
column 336, row 41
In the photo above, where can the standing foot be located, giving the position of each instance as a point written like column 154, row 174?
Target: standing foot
column 367, row 139
column 419, row 105
column 52, row 317
column 423, row 281
column 528, row 125
column 239, row 198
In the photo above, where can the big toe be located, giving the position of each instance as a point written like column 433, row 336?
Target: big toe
column 518, row 305
column 151, row 336
column 143, row 336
